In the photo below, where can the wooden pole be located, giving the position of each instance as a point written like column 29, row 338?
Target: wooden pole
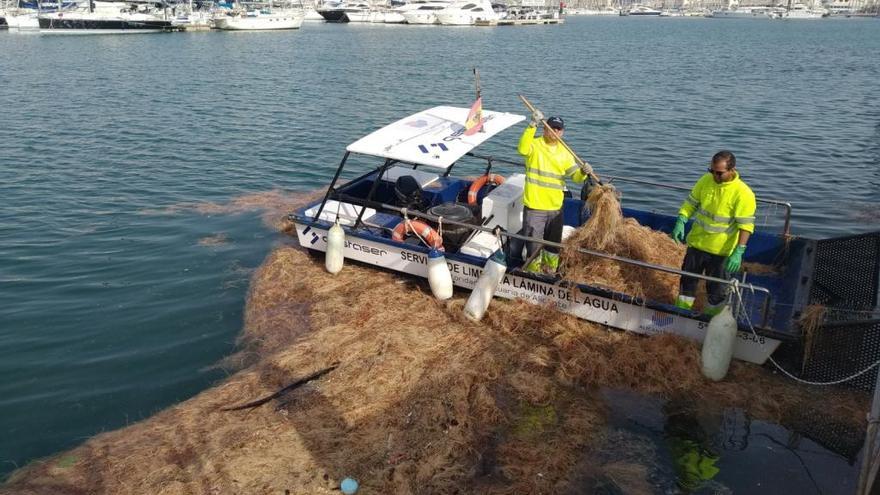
column 581, row 163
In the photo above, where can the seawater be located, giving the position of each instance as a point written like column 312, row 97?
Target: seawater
column 117, row 297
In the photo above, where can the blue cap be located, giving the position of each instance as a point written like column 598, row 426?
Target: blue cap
column 556, row 123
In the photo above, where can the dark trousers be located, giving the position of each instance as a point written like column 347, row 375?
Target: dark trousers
column 696, row 261
column 546, row 225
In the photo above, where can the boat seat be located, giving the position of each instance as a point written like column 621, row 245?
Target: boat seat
column 409, row 193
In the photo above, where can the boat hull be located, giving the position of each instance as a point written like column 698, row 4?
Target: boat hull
column 581, row 301
column 420, row 18
column 334, row 15
column 71, row 25
column 273, row 23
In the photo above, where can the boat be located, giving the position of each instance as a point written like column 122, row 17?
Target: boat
column 419, row 153
column 265, row 19
column 801, row 11
column 641, row 10
column 467, row 13
column 345, row 12
column 743, row 13
column 102, row 18
column 23, row 17
column 425, row 12
column 26, row 22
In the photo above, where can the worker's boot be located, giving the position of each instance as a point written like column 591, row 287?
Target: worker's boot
column 550, row 262
column 685, row 302
column 534, row 266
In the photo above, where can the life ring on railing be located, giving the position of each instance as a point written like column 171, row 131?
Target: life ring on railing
column 424, row 230
column 478, row 184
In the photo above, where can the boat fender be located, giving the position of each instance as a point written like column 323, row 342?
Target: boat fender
column 478, row 184
column 439, row 277
column 424, row 231
column 718, row 344
column 481, row 296
column 335, row 243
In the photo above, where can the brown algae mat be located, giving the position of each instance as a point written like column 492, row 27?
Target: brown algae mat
column 609, row 232
column 414, row 398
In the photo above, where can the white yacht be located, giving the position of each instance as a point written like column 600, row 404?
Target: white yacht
column 359, row 12
column 801, row 11
column 467, row 12
column 395, row 15
column 743, row 13
column 642, row 10
column 345, row 12
column 425, row 12
column 22, row 22
column 261, row 20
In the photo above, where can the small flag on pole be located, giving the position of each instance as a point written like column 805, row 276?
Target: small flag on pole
column 474, row 120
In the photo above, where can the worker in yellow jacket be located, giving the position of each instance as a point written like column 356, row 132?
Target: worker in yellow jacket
column 548, row 164
column 723, row 211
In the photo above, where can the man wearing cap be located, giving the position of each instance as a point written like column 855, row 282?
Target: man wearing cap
column 723, row 209
column 548, row 163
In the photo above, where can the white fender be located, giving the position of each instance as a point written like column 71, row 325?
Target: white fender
column 718, row 344
column 481, row 296
column 335, row 243
column 439, row 277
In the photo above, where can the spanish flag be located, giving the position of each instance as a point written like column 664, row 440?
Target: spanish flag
column 474, row 120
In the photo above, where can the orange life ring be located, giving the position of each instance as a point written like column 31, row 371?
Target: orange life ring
column 479, row 183
column 424, row 230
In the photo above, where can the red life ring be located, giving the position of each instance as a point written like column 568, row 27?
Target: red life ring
column 479, row 183
column 424, row 230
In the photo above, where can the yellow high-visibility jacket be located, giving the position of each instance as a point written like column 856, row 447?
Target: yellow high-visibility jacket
column 719, row 211
column 546, row 169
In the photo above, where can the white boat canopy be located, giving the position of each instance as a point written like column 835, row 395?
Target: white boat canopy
column 433, row 137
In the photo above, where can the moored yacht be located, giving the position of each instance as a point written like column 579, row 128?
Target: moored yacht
column 22, row 22
column 102, row 18
column 345, row 12
column 743, row 13
column 261, row 20
column 467, row 13
column 425, row 12
column 801, row 11
column 642, row 10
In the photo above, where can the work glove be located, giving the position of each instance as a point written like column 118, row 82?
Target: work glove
column 537, row 117
column 678, row 231
column 587, row 168
column 734, row 261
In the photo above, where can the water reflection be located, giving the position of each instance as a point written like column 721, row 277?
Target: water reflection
column 703, row 448
column 692, row 438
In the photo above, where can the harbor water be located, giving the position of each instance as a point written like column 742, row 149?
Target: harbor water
column 125, row 259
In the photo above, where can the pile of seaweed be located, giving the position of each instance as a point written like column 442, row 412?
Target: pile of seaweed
column 365, row 375
column 609, row 232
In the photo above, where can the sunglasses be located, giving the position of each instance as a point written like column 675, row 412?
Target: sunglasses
column 717, row 173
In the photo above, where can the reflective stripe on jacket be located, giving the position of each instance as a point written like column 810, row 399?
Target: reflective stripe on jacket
column 546, row 169
column 719, row 212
